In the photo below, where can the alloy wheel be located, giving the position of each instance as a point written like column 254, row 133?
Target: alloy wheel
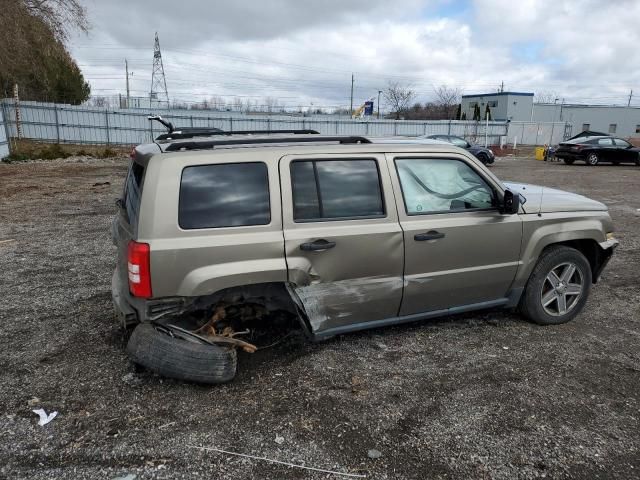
column 562, row 289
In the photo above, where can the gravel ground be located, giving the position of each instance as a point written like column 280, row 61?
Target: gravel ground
column 483, row 395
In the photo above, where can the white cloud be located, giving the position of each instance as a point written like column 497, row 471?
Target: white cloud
column 304, row 52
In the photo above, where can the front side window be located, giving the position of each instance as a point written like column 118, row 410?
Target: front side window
column 335, row 189
column 622, row 143
column 224, row 195
column 440, row 185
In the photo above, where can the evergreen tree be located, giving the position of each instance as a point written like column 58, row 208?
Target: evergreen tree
column 476, row 112
column 36, row 59
column 487, row 113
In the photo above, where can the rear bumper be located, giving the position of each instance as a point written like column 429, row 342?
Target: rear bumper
column 127, row 314
column 568, row 155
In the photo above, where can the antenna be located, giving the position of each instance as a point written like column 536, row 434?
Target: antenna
column 158, row 80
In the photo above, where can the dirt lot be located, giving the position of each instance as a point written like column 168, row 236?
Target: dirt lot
column 476, row 396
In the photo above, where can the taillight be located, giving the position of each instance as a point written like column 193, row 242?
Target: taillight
column 132, row 155
column 578, row 147
column 138, row 261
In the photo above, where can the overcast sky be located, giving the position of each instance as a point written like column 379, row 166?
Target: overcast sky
column 303, row 52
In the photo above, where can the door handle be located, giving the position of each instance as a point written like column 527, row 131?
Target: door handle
column 317, row 245
column 430, row 235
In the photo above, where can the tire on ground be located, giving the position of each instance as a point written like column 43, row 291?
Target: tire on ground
column 181, row 359
column 531, row 301
column 569, row 161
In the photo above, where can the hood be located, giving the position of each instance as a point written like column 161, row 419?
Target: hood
column 546, row 200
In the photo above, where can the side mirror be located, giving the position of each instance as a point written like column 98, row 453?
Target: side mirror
column 510, row 203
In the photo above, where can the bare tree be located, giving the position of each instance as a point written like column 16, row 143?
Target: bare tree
column 271, row 104
column 62, row 16
column 448, row 100
column 398, row 97
column 545, row 97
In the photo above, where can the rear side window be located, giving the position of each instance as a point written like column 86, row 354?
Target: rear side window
column 133, row 192
column 336, row 189
column 605, row 141
column 224, row 195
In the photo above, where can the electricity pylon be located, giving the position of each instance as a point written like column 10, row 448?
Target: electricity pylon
column 158, row 80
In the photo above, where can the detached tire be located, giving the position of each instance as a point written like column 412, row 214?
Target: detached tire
column 179, row 358
column 558, row 287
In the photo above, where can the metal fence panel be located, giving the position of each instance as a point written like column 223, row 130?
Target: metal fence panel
column 4, row 140
column 92, row 125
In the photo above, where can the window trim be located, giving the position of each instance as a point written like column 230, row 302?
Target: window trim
column 316, row 177
column 441, row 212
column 270, row 217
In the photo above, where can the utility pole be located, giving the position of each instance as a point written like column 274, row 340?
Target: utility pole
column 158, row 80
column 502, row 86
column 126, row 68
column 351, row 107
column 630, row 95
column 379, row 92
column 16, row 99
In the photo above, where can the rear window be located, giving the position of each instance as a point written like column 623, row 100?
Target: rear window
column 336, row 189
column 133, row 191
column 224, row 195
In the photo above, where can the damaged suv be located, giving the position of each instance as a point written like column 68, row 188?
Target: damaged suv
column 342, row 233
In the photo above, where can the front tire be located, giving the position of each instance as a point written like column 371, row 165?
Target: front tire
column 592, row 159
column 558, row 287
column 483, row 158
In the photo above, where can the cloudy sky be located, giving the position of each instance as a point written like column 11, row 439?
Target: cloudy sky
column 304, row 52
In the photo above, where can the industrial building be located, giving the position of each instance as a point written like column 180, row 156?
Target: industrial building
column 622, row 121
column 615, row 120
column 513, row 106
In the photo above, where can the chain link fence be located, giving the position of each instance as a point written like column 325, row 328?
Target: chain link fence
column 58, row 123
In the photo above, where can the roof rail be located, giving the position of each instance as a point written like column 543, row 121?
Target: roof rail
column 210, row 144
column 208, row 132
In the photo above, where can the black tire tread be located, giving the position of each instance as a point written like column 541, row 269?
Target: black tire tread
column 530, row 303
column 181, row 359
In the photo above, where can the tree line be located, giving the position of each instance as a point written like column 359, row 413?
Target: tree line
column 33, row 53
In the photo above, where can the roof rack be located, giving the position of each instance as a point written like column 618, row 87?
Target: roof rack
column 210, row 144
column 208, row 132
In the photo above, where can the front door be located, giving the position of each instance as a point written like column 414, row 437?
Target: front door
column 459, row 250
column 343, row 242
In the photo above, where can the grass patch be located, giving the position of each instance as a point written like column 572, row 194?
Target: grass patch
column 24, row 150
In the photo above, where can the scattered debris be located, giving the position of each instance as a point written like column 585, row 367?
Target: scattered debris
column 33, row 402
column 279, row 440
column 44, row 418
column 128, row 476
column 505, row 348
column 166, row 425
column 100, row 184
column 373, row 453
column 9, row 240
column 293, row 465
column 131, row 379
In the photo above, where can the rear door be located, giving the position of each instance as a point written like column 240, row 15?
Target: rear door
column 607, row 151
column 125, row 223
column 343, row 242
column 459, row 250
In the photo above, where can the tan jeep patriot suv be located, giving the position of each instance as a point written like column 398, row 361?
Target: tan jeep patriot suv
column 346, row 233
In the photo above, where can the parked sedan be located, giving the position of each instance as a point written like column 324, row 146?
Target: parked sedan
column 598, row 149
column 485, row 155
